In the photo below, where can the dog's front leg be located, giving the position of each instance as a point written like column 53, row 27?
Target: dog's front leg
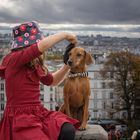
column 85, row 114
column 67, row 106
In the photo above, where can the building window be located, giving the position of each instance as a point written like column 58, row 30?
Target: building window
column 104, row 115
column 95, row 84
column 111, row 75
column 103, row 85
column 41, row 87
column 111, row 95
column 42, row 97
column 95, row 75
column 95, row 105
column 104, row 105
column 112, row 105
column 2, row 106
column 95, row 95
column 51, row 107
column 92, row 76
column 95, row 114
column 104, row 94
column 2, row 97
column 111, row 84
column 124, row 115
column 51, row 89
column 2, row 86
column 51, row 97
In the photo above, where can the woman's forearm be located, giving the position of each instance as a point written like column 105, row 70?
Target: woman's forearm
column 59, row 75
column 50, row 41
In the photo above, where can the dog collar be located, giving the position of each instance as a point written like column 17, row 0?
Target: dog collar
column 80, row 74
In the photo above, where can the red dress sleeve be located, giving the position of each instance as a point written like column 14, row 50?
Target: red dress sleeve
column 26, row 55
column 47, row 80
column 44, row 79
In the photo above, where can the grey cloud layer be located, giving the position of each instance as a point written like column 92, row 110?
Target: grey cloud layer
column 73, row 11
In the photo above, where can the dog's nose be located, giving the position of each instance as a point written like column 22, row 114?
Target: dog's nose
column 69, row 62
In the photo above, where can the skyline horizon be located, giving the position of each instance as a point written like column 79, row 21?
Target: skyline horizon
column 113, row 30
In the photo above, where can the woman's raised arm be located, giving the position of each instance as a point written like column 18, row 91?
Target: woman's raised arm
column 50, row 41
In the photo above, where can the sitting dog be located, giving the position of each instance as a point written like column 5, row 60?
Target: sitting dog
column 77, row 86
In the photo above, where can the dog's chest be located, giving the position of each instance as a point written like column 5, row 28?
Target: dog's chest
column 74, row 86
column 76, row 89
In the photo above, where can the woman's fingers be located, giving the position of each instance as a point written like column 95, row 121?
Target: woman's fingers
column 72, row 38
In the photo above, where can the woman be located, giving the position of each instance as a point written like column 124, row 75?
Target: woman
column 24, row 117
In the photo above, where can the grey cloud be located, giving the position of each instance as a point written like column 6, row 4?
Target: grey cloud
column 74, row 11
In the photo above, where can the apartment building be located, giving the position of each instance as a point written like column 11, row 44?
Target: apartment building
column 102, row 99
column 48, row 96
column 104, row 103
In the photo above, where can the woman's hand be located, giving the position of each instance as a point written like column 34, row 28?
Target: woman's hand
column 60, row 74
column 66, row 53
column 71, row 38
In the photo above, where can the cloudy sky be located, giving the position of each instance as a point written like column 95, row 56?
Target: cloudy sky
column 116, row 15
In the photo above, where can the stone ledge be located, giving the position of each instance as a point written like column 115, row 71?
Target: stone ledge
column 93, row 132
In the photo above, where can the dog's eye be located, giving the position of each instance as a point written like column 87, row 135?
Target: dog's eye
column 69, row 54
column 78, row 54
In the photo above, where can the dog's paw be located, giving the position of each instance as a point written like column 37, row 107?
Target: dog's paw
column 82, row 127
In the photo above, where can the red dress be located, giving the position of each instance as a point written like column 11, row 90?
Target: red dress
column 24, row 116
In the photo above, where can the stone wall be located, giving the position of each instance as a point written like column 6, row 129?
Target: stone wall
column 93, row 132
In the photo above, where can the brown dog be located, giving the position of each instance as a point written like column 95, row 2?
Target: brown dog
column 77, row 87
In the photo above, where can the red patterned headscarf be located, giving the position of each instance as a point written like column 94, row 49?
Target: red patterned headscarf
column 26, row 34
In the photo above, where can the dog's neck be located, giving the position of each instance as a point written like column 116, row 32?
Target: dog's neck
column 78, row 70
column 78, row 73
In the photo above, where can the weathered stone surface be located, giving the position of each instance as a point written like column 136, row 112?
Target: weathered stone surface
column 93, row 132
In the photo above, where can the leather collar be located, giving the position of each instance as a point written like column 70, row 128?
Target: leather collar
column 80, row 74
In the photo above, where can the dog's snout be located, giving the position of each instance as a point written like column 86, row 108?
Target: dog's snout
column 69, row 62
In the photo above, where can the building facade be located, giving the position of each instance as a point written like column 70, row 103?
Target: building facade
column 103, row 102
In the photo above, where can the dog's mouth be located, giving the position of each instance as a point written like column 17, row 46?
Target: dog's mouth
column 73, row 64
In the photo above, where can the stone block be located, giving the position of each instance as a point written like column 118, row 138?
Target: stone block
column 93, row 132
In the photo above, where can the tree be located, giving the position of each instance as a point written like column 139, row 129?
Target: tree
column 125, row 68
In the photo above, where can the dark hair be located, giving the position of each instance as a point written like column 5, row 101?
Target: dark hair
column 40, row 60
column 18, row 49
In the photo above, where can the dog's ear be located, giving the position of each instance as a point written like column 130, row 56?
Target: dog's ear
column 89, row 59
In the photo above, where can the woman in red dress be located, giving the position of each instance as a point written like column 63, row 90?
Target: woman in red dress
column 23, row 70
